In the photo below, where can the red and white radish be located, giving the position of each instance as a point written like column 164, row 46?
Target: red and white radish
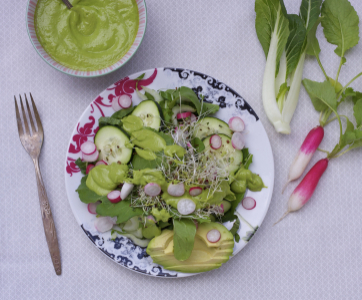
column 305, row 153
column 124, row 101
column 103, row 224
column 114, row 196
column 152, row 189
column 305, row 189
column 126, row 190
column 215, row 142
column 101, row 162
column 195, row 191
column 213, row 236
column 89, row 168
column 236, row 124
column 88, row 148
column 248, row 203
column 183, row 115
column 176, row 190
column 193, row 118
column 115, row 104
column 186, row 206
column 237, row 141
column 90, row 158
column 92, row 207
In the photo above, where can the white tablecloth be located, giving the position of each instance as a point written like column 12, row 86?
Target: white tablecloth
column 312, row 254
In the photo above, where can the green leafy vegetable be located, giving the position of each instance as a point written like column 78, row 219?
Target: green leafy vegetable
column 197, row 144
column 105, row 121
column 123, row 112
column 229, row 216
column 169, row 140
column 322, row 94
column 309, row 12
column 122, row 210
column 234, row 230
column 247, row 158
column 184, row 238
column 340, row 25
column 82, row 165
column 357, row 112
column 139, row 163
column 86, row 195
column 284, row 40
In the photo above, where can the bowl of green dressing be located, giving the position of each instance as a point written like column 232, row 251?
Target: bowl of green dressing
column 93, row 38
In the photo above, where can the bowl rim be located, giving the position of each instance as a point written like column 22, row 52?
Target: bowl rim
column 87, row 74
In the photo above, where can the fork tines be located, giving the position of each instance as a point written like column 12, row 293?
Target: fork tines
column 30, row 116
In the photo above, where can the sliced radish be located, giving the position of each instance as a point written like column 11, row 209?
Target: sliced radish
column 92, row 207
column 213, row 236
column 215, row 142
column 103, row 224
column 90, row 158
column 193, row 118
column 126, row 190
column 237, row 141
column 195, row 191
column 183, row 115
column 125, row 101
column 222, row 208
column 89, row 168
column 186, row 206
column 88, row 148
column 151, row 218
column 115, row 104
column 114, row 196
column 248, row 203
column 101, row 162
column 152, row 189
column 236, row 124
column 176, row 190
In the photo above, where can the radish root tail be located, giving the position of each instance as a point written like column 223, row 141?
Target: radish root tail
column 286, row 213
column 285, row 186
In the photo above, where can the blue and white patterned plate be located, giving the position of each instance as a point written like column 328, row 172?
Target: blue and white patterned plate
column 122, row 250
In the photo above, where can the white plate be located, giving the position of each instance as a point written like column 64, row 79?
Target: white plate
column 122, row 250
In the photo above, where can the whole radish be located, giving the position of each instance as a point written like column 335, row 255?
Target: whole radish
column 305, row 153
column 304, row 191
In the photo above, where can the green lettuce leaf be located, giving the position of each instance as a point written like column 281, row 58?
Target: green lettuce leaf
column 122, row 210
column 340, row 25
column 105, row 121
column 234, row 230
column 183, row 238
column 229, row 216
column 82, row 165
column 123, row 112
column 86, row 195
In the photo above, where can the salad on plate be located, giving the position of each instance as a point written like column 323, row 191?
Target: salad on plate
column 167, row 175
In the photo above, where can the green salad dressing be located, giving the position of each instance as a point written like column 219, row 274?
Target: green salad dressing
column 92, row 35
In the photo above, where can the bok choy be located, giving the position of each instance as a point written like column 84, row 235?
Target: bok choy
column 284, row 40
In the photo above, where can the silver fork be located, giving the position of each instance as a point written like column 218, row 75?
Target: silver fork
column 32, row 143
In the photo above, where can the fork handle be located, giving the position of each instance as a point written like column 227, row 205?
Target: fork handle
column 48, row 222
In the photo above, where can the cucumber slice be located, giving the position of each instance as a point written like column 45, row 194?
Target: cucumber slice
column 110, row 142
column 150, row 113
column 229, row 158
column 210, row 125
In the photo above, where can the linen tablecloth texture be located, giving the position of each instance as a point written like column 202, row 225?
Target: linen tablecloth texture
column 312, row 254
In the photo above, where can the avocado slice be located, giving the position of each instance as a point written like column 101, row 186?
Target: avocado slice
column 205, row 256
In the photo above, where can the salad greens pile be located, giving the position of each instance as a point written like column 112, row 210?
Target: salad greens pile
column 185, row 172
